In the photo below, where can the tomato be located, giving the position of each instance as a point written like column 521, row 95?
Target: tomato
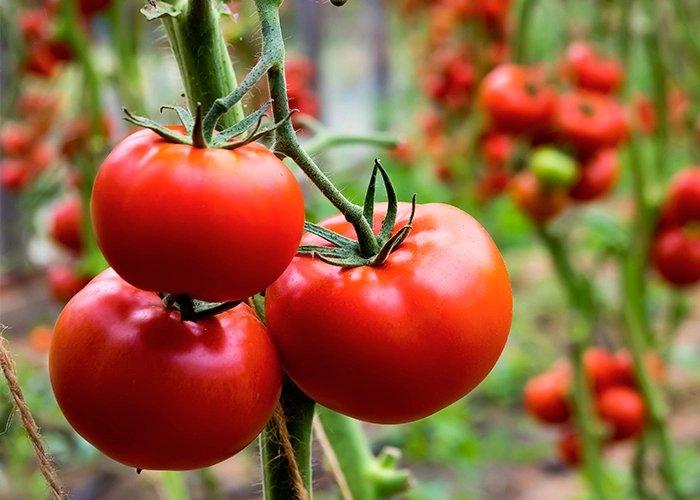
column 546, row 397
column 15, row 174
column 684, row 192
column 34, row 25
column 540, row 203
column 497, row 149
column 553, row 167
column 587, row 70
column 517, row 99
column 600, row 368
column 15, row 139
column 217, row 224
column 597, row 176
column 153, row 392
column 398, row 342
column 64, row 282
column 625, row 368
column 590, row 121
column 570, row 448
column 66, row 223
column 91, row 7
column 676, row 256
column 624, row 410
column 450, row 79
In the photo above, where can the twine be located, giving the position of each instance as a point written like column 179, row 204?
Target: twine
column 280, row 421
column 28, row 422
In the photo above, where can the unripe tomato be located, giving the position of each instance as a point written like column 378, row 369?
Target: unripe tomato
column 597, row 176
column 538, row 202
column 588, row 71
column 66, row 223
column 552, row 167
column 684, row 192
column 590, row 121
column 154, row 392
column 546, row 397
column 397, row 342
column 517, row 99
column 624, row 410
column 676, row 256
column 219, row 225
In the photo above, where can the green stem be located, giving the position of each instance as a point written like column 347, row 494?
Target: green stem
column 580, row 297
column 366, row 477
column 125, row 33
column 278, row 475
column 206, row 74
column 524, row 16
column 639, row 469
column 285, row 138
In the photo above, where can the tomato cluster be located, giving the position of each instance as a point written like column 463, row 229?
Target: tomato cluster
column 613, row 384
column 676, row 246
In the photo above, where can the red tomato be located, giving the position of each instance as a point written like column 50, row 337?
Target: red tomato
column 497, row 149
column 153, row 392
column 66, row 223
column 546, row 397
column 15, row 174
column 570, row 448
column 600, row 368
column 64, row 282
column 92, row 7
column 676, row 255
column 450, row 79
column 16, row 139
column 623, row 409
column 625, row 367
column 517, row 99
column 597, row 176
column 538, row 202
column 398, row 342
column 684, row 192
column 34, row 25
column 587, row 70
column 216, row 224
column 590, row 121
column 41, row 61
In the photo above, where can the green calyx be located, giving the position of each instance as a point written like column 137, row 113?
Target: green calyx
column 355, row 253
column 244, row 132
column 193, row 309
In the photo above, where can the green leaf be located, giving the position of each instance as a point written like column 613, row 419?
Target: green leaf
column 368, row 209
column 243, row 125
column 159, row 129
column 184, row 115
column 156, row 9
column 392, row 206
column 328, row 235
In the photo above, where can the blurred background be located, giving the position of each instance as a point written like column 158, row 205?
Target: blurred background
column 418, row 70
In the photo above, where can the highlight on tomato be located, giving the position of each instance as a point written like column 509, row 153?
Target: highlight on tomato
column 154, row 392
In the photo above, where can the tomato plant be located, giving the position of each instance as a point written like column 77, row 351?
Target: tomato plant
column 400, row 341
column 217, row 224
column 154, row 392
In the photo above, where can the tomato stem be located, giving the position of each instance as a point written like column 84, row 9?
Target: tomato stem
column 524, row 20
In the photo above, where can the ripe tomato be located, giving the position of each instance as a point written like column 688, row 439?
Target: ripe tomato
column 517, row 99
column 590, row 121
column 497, row 149
column 449, row 79
column 540, row 203
column 684, row 192
column 597, row 176
column 569, row 446
column 65, row 282
column 16, row 139
column 589, row 71
column 623, row 408
column 398, row 342
column 15, row 174
column 66, row 223
column 676, row 255
column 546, row 397
column 217, row 224
column 625, row 367
column 600, row 368
column 153, row 392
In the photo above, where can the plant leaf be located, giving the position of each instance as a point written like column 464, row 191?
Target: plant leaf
column 337, row 239
column 185, row 117
column 368, row 209
column 244, row 124
column 392, row 207
column 165, row 133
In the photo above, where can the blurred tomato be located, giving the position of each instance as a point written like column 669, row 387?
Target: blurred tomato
column 600, row 368
column 625, row 367
column 590, row 121
column 540, row 203
column 569, row 446
column 66, row 223
column 15, row 139
column 586, row 69
column 64, row 282
column 624, row 410
column 676, row 255
column 546, row 397
column 15, row 174
column 597, row 176
column 684, row 193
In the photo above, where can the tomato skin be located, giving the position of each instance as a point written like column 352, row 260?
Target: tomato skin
column 398, row 342
column 590, row 121
column 66, row 222
column 516, row 99
column 216, row 224
column 538, row 202
column 152, row 392
column 623, row 408
column 598, row 176
column 546, row 397
column 676, row 256
column 588, row 71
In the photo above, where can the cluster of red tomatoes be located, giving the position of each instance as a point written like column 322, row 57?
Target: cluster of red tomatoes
column 41, row 29
column 676, row 246
column 611, row 379
column 550, row 148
